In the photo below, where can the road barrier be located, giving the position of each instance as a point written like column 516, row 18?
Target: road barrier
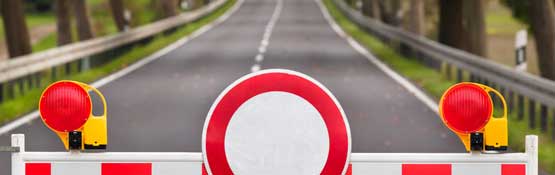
column 169, row 163
column 271, row 122
column 518, row 87
column 30, row 67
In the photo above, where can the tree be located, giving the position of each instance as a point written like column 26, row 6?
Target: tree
column 475, row 27
column 451, row 23
column 84, row 29
column 118, row 11
column 168, row 7
column 542, row 20
column 371, row 9
column 63, row 22
column 390, row 12
column 416, row 17
column 195, row 4
column 15, row 28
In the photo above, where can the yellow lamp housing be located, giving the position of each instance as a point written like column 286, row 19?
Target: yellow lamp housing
column 66, row 108
column 492, row 135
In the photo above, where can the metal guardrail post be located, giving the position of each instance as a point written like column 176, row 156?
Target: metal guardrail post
column 38, row 78
column 10, row 91
column 459, row 75
column 532, row 114
column 53, row 74
column 21, row 83
column 543, row 118
column 68, row 68
column 510, row 101
column 1, row 92
column 553, row 127
column 520, row 101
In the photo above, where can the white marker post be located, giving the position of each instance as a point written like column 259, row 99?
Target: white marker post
column 520, row 50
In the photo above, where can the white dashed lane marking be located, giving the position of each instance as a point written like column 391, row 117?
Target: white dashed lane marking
column 266, row 38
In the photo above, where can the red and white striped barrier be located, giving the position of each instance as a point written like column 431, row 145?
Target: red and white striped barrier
column 169, row 163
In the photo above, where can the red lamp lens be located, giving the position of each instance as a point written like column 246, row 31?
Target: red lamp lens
column 466, row 108
column 65, row 106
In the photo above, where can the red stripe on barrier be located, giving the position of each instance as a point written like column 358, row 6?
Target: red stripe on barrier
column 126, row 169
column 349, row 170
column 513, row 169
column 37, row 169
column 427, row 169
column 204, row 170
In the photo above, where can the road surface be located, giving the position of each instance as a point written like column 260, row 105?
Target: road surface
column 162, row 106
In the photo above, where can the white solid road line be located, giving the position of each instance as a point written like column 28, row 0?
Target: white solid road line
column 266, row 38
column 382, row 66
column 35, row 114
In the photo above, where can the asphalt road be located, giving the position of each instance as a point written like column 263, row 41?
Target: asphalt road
column 162, row 106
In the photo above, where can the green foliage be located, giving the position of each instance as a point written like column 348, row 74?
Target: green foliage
column 34, row 6
column 45, row 43
column 519, row 9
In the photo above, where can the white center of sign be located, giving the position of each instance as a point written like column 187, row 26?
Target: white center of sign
column 276, row 133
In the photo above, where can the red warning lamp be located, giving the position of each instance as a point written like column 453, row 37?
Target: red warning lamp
column 467, row 109
column 65, row 106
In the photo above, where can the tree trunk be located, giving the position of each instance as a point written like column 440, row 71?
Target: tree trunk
column 195, row 4
column 371, row 8
column 63, row 22
column 84, row 28
column 543, row 27
column 451, row 23
column 118, row 11
column 169, row 7
column 390, row 11
column 416, row 17
column 475, row 27
column 15, row 28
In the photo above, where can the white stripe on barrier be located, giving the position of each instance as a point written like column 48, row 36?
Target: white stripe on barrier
column 475, row 168
column 81, row 168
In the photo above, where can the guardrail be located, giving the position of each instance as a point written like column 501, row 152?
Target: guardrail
column 29, row 66
column 537, row 91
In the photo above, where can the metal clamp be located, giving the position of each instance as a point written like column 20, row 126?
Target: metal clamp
column 9, row 149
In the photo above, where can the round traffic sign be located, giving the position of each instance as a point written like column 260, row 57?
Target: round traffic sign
column 276, row 122
column 65, row 106
column 466, row 108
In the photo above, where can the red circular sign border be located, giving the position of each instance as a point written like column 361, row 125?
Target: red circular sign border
column 264, row 81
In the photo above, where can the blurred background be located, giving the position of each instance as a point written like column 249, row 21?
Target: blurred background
column 507, row 44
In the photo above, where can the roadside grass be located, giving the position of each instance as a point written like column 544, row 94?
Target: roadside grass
column 22, row 104
column 435, row 84
column 33, row 20
column 45, row 43
column 101, row 20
